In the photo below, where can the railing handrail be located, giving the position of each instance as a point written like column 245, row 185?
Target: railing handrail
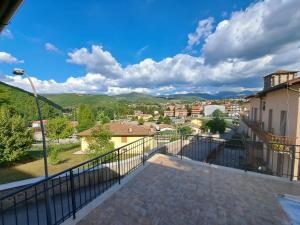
column 70, row 169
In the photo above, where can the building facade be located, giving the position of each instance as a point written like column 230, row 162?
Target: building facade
column 273, row 116
column 209, row 109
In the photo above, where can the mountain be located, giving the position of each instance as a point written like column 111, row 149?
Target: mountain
column 202, row 96
column 140, row 98
column 72, row 99
column 24, row 103
column 68, row 100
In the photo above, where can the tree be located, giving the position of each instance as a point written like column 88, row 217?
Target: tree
column 102, row 118
column 185, row 131
column 85, row 117
column 15, row 137
column 160, row 120
column 167, row 120
column 217, row 125
column 3, row 96
column 141, row 121
column 217, row 114
column 100, row 142
column 58, row 128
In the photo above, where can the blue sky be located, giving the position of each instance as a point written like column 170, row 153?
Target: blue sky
column 150, row 46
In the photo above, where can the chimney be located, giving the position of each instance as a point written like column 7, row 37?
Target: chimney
column 130, row 130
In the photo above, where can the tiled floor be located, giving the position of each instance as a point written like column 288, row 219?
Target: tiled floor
column 174, row 191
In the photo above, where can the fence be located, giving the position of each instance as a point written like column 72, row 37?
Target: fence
column 60, row 196
column 273, row 158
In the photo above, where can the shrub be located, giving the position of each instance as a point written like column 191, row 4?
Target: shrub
column 53, row 155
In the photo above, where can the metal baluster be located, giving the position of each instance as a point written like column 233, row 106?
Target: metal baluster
column 73, row 194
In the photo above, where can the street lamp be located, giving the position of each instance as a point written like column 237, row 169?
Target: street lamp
column 21, row 72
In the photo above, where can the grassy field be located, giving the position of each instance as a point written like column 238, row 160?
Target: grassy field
column 35, row 168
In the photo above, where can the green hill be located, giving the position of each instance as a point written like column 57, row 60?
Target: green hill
column 23, row 102
column 67, row 100
column 140, row 98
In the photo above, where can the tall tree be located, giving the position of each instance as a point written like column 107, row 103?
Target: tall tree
column 217, row 124
column 58, row 128
column 102, row 118
column 86, row 118
column 15, row 137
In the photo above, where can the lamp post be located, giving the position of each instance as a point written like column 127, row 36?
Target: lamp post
column 21, row 72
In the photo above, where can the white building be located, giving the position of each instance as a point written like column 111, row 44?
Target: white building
column 209, row 109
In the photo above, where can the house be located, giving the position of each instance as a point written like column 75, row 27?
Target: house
column 196, row 110
column 122, row 134
column 36, row 124
column 273, row 116
column 209, row 109
column 169, row 111
column 165, row 127
column 196, row 122
column 145, row 117
column 181, row 111
column 233, row 109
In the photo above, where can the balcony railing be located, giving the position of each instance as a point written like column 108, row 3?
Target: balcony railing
column 59, row 197
column 265, row 136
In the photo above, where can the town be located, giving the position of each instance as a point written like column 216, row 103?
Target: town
column 149, row 112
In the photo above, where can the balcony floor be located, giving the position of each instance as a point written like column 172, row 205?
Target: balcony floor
column 174, row 191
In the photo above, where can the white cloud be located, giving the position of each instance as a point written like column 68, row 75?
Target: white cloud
column 7, row 34
column 90, row 83
column 51, row 47
column 263, row 28
column 202, row 31
column 96, row 61
column 235, row 57
column 8, row 58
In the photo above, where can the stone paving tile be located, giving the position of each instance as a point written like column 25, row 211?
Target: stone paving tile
column 178, row 192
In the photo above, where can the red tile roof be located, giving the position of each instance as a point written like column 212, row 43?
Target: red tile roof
column 122, row 129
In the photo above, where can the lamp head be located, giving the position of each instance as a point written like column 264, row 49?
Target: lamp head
column 19, row 72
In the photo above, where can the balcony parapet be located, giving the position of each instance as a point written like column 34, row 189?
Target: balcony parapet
column 266, row 136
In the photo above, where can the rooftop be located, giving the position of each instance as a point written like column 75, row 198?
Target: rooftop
column 173, row 191
column 277, row 72
column 123, row 129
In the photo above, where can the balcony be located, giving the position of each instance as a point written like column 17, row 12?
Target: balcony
column 162, row 179
column 265, row 136
column 173, row 191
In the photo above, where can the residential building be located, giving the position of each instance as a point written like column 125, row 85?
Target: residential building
column 209, row 109
column 196, row 110
column 196, row 122
column 169, row 111
column 145, row 117
column 165, row 127
column 273, row 116
column 233, row 109
column 122, row 134
column 36, row 124
column 181, row 111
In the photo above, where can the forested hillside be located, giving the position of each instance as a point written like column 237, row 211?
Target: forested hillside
column 23, row 102
column 67, row 100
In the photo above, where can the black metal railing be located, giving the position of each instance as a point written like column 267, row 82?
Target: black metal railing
column 272, row 158
column 60, row 196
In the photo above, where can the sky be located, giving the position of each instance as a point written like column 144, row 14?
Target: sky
column 154, row 47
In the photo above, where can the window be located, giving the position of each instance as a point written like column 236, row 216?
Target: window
column 255, row 114
column 283, row 116
column 124, row 139
column 264, row 105
column 270, row 121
